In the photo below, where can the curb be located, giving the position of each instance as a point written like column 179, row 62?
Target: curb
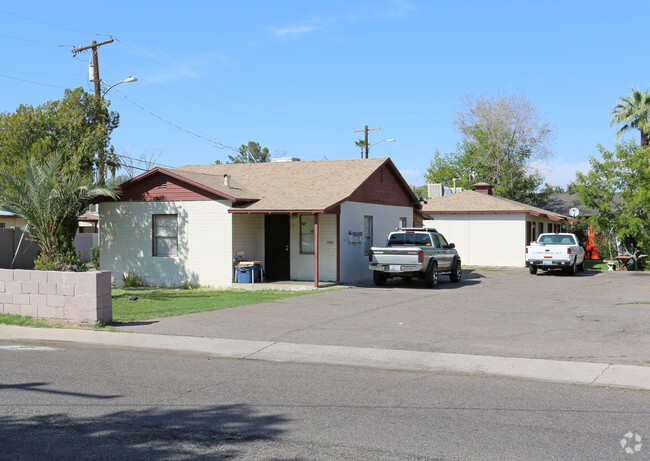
column 592, row 374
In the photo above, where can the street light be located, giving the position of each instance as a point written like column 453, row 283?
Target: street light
column 100, row 155
column 126, row 80
column 374, row 144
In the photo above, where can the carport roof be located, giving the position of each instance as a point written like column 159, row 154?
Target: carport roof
column 477, row 202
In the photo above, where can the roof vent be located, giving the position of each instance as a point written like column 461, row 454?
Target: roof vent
column 226, row 180
column 284, row 159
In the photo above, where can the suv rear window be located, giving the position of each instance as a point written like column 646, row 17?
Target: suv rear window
column 409, row 239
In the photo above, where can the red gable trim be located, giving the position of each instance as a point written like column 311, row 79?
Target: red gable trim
column 359, row 194
column 145, row 194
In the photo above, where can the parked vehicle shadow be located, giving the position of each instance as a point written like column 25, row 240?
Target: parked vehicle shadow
column 469, row 278
column 191, row 433
column 559, row 273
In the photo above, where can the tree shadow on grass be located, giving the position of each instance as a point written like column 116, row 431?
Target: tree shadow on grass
column 197, row 433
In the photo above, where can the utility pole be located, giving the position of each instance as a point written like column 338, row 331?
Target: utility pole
column 366, row 129
column 98, row 92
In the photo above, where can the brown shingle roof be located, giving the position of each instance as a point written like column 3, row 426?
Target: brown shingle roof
column 286, row 186
column 476, row 202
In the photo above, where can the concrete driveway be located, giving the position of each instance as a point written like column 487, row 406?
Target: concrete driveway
column 592, row 316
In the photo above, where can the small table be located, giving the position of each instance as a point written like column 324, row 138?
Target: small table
column 623, row 260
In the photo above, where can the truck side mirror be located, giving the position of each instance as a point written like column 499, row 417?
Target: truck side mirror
column 451, row 246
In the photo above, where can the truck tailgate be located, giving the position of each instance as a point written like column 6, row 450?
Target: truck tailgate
column 402, row 255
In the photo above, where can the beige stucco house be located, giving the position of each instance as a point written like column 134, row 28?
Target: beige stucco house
column 310, row 221
column 489, row 230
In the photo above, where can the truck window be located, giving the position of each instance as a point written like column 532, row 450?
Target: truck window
column 410, row 239
column 436, row 242
column 443, row 242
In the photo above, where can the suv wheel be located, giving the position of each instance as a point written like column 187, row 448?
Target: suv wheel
column 431, row 277
column 456, row 273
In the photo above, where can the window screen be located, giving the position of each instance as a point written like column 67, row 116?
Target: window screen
column 307, row 234
column 165, row 235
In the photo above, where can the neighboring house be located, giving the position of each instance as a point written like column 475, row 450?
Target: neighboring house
column 8, row 219
column 490, row 230
column 16, row 249
column 563, row 202
column 303, row 220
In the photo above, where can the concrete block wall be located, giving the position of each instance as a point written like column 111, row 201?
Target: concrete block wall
column 77, row 297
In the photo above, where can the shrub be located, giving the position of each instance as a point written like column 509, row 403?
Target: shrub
column 66, row 261
column 131, row 280
column 188, row 285
column 94, row 257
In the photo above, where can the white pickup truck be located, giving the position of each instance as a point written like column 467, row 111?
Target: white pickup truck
column 556, row 251
column 415, row 252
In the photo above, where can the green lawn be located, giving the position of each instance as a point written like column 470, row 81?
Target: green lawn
column 166, row 302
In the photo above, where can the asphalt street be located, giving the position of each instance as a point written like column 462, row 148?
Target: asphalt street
column 66, row 402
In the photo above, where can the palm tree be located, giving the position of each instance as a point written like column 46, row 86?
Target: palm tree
column 50, row 205
column 362, row 144
column 634, row 112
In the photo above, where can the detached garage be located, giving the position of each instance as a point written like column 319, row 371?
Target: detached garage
column 490, row 230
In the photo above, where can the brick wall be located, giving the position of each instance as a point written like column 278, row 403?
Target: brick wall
column 78, row 297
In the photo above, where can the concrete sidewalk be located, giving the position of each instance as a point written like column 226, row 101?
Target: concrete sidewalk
column 593, row 374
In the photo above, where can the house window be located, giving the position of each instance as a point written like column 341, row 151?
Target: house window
column 2, row 225
column 307, row 234
column 549, row 227
column 403, row 223
column 165, row 235
column 367, row 234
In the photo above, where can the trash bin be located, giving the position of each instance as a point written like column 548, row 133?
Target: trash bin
column 249, row 274
column 244, row 275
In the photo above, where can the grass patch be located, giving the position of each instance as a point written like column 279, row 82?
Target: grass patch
column 167, row 302
column 11, row 319
column 595, row 266
column 635, row 302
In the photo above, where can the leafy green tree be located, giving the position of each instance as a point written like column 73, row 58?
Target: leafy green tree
column 251, row 153
column 625, row 171
column 49, row 203
column 76, row 127
column 503, row 135
column 633, row 112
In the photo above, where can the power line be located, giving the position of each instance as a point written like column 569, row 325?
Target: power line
column 212, row 141
column 187, row 77
column 31, row 81
column 32, row 41
column 51, row 25
column 39, row 75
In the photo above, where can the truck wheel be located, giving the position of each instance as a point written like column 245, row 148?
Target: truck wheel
column 572, row 269
column 379, row 278
column 533, row 269
column 431, row 277
column 457, row 273
column 581, row 266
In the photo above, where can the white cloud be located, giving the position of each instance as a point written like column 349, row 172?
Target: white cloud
column 294, row 30
column 560, row 172
column 413, row 176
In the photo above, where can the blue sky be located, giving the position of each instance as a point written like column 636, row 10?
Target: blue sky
column 300, row 76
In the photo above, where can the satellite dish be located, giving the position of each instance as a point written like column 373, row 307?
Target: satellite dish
column 574, row 212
